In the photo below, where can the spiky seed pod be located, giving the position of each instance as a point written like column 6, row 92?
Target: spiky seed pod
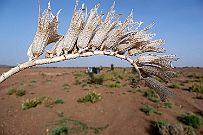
column 160, row 89
column 46, row 33
column 76, row 26
column 112, row 19
column 139, row 41
column 166, row 61
column 53, row 27
column 67, row 42
column 154, row 46
column 128, row 35
column 55, row 50
column 122, row 47
column 162, row 61
column 150, row 46
column 128, row 38
column 137, row 47
column 135, row 51
column 136, row 42
column 159, row 72
column 131, row 44
column 115, row 35
column 87, row 33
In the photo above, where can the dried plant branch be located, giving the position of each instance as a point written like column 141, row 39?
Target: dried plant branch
column 89, row 35
column 64, row 57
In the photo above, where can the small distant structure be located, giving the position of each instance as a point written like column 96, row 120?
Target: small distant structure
column 95, row 70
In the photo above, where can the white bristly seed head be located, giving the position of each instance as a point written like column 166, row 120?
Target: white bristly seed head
column 90, row 32
column 47, row 32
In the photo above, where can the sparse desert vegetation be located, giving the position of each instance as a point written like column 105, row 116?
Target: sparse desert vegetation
column 66, row 87
column 167, row 104
column 66, row 126
column 30, row 103
column 17, row 91
column 192, row 120
column 160, row 123
column 196, row 88
column 91, row 97
column 151, row 95
column 105, row 103
column 174, row 86
column 11, row 91
column 46, row 101
column 163, row 127
column 20, row 92
column 148, row 109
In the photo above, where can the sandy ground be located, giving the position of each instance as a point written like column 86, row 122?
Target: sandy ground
column 119, row 108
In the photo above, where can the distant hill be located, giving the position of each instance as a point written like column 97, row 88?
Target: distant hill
column 5, row 66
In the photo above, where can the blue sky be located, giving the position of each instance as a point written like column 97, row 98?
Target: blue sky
column 178, row 22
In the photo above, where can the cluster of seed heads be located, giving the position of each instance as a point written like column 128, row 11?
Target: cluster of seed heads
column 94, row 31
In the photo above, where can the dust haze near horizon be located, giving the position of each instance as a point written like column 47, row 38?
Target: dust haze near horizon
column 179, row 23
